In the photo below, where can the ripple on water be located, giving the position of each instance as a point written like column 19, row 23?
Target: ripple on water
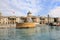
column 38, row 33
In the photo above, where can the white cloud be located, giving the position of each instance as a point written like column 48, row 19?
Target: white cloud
column 55, row 12
column 29, row 5
column 21, row 7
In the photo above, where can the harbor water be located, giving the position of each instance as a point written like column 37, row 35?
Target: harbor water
column 42, row 32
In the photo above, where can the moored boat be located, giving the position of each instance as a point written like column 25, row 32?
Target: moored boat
column 25, row 25
column 54, row 24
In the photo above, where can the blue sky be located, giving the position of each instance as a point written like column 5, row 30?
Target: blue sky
column 21, row 7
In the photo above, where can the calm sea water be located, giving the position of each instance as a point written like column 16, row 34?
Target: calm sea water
column 38, row 33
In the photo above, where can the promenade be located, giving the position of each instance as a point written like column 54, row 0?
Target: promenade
column 7, row 26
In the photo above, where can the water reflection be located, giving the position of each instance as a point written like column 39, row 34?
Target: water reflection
column 7, row 34
column 25, row 34
column 38, row 33
column 55, row 32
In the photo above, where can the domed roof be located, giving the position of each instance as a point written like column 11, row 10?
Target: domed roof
column 29, row 12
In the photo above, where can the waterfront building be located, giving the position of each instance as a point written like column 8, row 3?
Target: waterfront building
column 28, row 18
column 56, row 19
column 51, row 20
column 36, row 19
column 29, row 14
column 5, row 20
column 44, row 20
column 12, row 19
column 19, row 20
column 1, row 18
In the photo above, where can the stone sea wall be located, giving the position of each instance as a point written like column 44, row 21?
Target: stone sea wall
column 7, row 26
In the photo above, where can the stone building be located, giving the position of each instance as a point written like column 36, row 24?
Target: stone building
column 44, row 20
column 19, row 20
column 11, row 19
column 5, row 20
column 36, row 19
column 56, row 19
column 28, row 18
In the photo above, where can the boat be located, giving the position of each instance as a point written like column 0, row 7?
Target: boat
column 25, row 25
column 28, row 22
column 54, row 24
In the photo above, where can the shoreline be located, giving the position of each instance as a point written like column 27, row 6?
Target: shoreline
column 2, row 26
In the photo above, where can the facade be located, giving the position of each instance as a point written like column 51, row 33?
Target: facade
column 14, row 19
column 36, row 19
column 44, row 20
column 29, row 17
column 9, row 20
column 56, row 19
column 5, row 20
